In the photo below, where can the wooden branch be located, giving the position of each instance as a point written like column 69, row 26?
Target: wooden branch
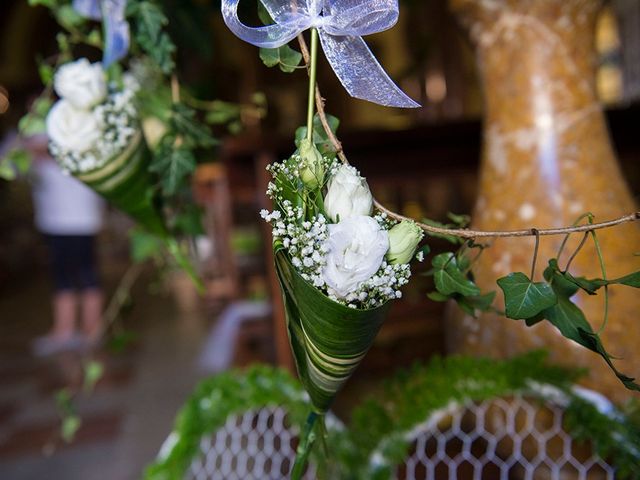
column 462, row 232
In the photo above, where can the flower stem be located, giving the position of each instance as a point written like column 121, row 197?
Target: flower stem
column 313, row 64
column 307, row 438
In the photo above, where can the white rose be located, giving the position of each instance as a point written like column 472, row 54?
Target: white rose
column 357, row 247
column 83, row 84
column 347, row 195
column 71, row 128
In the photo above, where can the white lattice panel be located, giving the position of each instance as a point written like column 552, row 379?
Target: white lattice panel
column 256, row 445
column 501, row 439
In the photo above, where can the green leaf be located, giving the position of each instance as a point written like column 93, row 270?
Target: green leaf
column 67, row 16
column 189, row 221
column 320, row 137
column 631, row 280
column 438, row 297
column 285, row 57
column 460, row 221
column 93, row 372
column 449, row 278
column 524, row 298
column 572, row 324
column 17, row 161
column 33, row 122
column 70, row 426
column 449, row 238
column 173, row 165
column 185, row 123
column 328, row 339
column 144, row 245
column 149, row 22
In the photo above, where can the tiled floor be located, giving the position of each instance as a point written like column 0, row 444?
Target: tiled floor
column 129, row 413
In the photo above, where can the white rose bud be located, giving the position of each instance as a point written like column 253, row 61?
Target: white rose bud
column 71, row 128
column 403, row 241
column 312, row 164
column 81, row 83
column 347, row 195
column 357, row 246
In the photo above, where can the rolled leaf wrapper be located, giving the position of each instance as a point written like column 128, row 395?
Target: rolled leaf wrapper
column 329, row 340
column 126, row 182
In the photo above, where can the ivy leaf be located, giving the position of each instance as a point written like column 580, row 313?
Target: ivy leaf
column 17, row 161
column 449, row 278
column 320, row 137
column 189, row 221
column 149, row 23
column 567, row 317
column 475, row 304
column 93, row 372
column 185, row 123
column 144, row 245
column 285, row 57
column 524, row 298
column 631, row 280
column 572, row 324
column 173, row 164
column 438, row 297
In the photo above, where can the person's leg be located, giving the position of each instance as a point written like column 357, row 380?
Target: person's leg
column 65, row 302
column 91, row 298
column 91, row 302
column 64, row 315
column 61, row 336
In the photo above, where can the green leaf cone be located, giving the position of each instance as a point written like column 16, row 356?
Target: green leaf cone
column 126, row 182
column 329, row 340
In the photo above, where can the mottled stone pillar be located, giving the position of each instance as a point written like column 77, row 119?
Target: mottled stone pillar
column 547, row 158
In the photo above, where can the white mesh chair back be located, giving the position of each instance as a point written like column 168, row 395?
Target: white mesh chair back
column 515, row 438
column 255, row 445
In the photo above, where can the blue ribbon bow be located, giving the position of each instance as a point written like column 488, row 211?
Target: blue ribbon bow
column 340, row 24
column 116, row 28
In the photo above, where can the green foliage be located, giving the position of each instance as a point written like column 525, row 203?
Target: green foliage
column 551, row 300
column 284, row 57
column 219, row 397
column 186, row 126
column 173, row 165
column 148, row 25
column 380, row 425
column 70, row 421
column 450, row 277
column 144, row 245
column 34, row 122
column 457, row 221
column 320, row 137
column 616, row 439
column 524, row 298
column 93, row 372
column 15, row 162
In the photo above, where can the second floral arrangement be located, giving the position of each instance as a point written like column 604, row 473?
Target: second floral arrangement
column 339, row 264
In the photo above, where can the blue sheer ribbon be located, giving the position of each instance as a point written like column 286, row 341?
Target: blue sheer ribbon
column 341, row 25
column 116, row 28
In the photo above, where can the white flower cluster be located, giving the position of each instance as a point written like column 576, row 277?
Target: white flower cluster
column 342, row 254
column 383, row 286
column 92, row 122
column 305, row 241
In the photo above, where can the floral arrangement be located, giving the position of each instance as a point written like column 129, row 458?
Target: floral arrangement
column 92, row 122
column 95, row 135
column 354, row 258
column 339, row 265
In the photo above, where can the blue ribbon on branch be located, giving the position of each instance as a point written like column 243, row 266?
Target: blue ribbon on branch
column 116, row 28
column 341, row 25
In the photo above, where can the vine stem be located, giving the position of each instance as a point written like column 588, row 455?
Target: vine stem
column 456, row 232
column 313, row 68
